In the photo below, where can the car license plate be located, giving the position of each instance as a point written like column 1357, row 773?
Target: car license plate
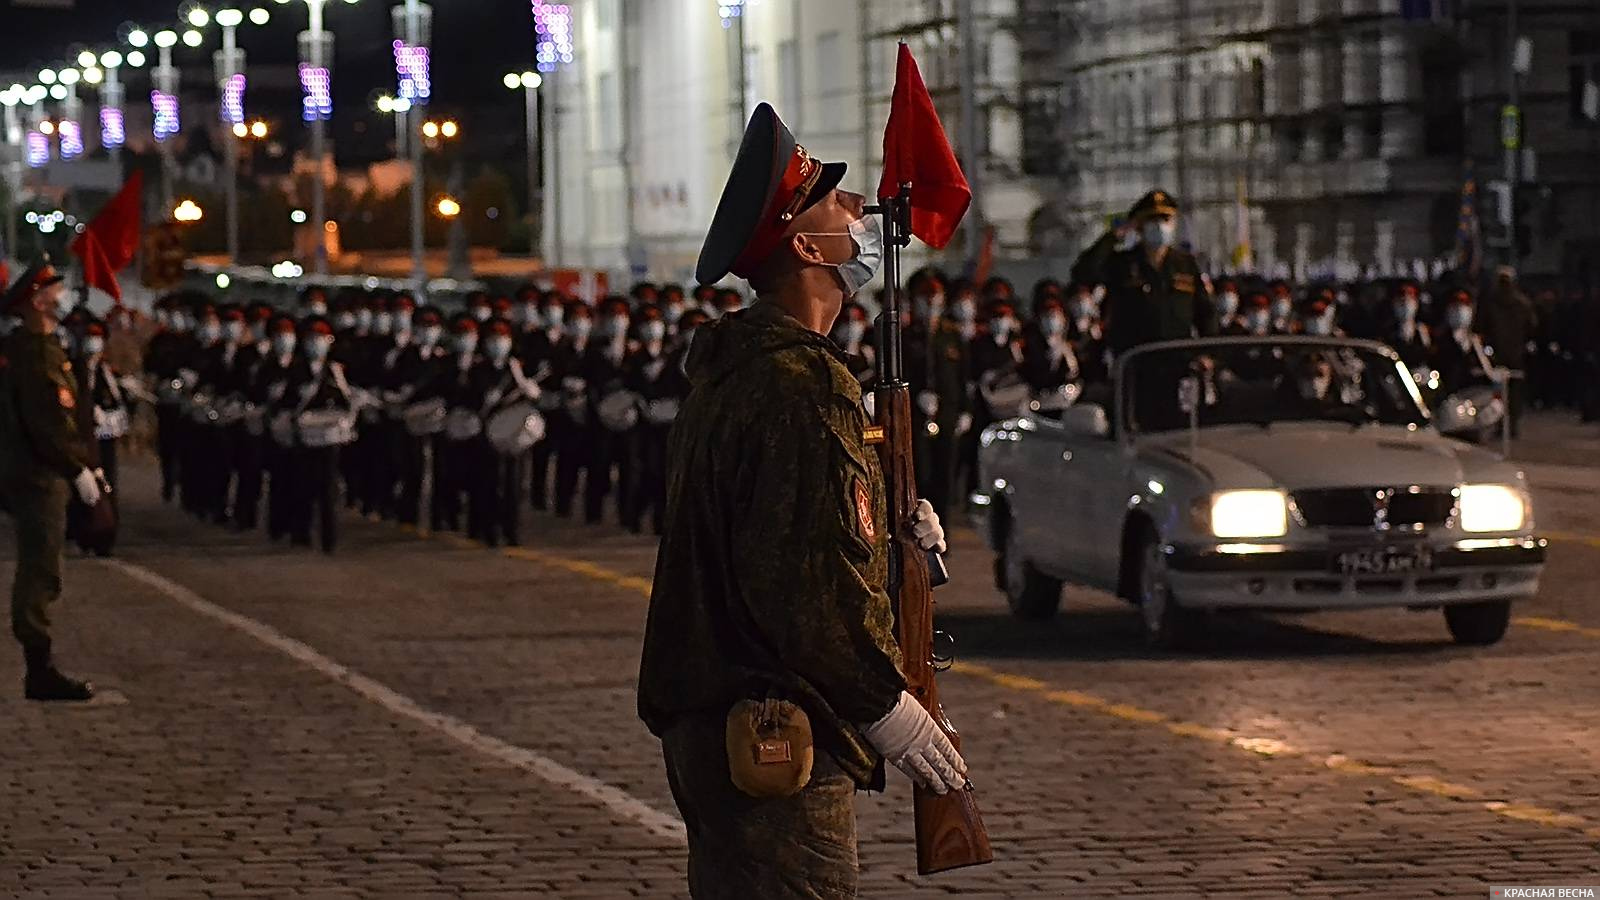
column 1383, row 561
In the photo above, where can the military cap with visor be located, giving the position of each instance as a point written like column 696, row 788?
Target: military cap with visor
column 774, row 179
column 36, row 278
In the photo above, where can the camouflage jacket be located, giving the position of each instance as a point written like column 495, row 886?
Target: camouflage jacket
column 771, row 577
column 39, row 434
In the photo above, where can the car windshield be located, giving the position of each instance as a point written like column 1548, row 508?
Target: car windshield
column 1266, row 382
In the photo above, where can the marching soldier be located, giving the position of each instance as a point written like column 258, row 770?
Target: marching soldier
column 269, row 392
column 225, row 373
column 411, row 366
column 498, row 382
column 649, row 373
column 316, row 384
column 453, row 450
column 1154, row 290
column 540, row 349
column 852, row 331
column 168, row 355
column 201, row 446
column 1087, row 336
column 1410, row 338
column 771, row 579
column 1048, row 360
column 100, row 387
column 936, row 367
column 608, row 437
column 573, row 434
column 43, row 456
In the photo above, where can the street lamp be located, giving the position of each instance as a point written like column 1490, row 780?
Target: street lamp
column 188, row 212
column 164, row 105
column 528, row 83
column 316, row 82
column 553, row 50
column 113, row 126
column 413, row 27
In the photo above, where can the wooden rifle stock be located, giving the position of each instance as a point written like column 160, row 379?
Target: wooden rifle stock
column 950, row 830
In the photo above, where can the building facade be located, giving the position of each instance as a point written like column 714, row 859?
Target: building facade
column 1331, row 135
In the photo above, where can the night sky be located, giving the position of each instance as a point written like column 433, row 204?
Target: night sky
column 474, row 43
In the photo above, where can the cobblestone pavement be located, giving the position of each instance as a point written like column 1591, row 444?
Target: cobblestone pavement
column 421, row 716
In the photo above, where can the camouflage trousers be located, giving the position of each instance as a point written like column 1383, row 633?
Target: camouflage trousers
column 40, row 514
column 787, row 848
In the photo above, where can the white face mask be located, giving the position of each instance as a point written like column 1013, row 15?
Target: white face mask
column 317, row 308
column 654, row 330
column 482, row 313
column 859, row 270
column 613, row 327
column 431, row 334
column 94, row 346
column 1315, row 388
column 1002, row 327
column 580, row 327
column 258, row 332
column 1281, row 307
column 284, row 344
column 1459, row 316
column 673, row 312
column 1257, row 320
column 1052, row 323
column 319, row 347
column 965, row 311
column 499, row 348
column 466, row 343
column 384, row 323
column 1158, row 232
column 1405, row 310
column 233, row 331
column 402, row 320
column 363, row 319
column 528, row 314
column 1320, row 326
column 1227, row 303
column 210, row 332
column 852, row 332
column 345, row 321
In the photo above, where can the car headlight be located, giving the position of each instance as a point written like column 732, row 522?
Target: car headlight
column 1249, row 514
column 1492, row 507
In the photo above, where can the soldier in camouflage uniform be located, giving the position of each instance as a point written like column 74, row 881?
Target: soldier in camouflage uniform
column 41, row 452
column 770, row 582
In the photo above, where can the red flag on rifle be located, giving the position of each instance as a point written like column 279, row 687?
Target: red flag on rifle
column 915, row 150
column 107, row 246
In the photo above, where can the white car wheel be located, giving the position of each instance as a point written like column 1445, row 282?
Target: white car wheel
column 1167, row 624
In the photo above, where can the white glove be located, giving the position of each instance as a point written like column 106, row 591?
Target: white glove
column 963, row 423
column 869, row 402
column 928, row 402
column 88, row 487
column 926, row 529
column 912, row 743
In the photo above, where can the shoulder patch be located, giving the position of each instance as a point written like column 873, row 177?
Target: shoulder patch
column 869, row 529
column 65, row 397
column 872, row 435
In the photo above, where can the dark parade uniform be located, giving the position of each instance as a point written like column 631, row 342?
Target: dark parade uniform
column 574, row 423
column 497, row 478
column 653, row 374
column 408, row 368
column 1415, row 345
column 936, row 368
column 314, row 471
column 360, row 354
column 1146, row 303
column 102, row 413
column 1089, row 346
column 609, row 470
column 538, row 351
column 225, row 371
column 169, row 354
column 454, row 451
column 269, row 391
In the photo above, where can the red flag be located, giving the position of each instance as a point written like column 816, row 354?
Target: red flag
column 107, row 246
column 916, row 150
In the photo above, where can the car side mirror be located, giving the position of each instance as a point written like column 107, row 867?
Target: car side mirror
column 1086, row 418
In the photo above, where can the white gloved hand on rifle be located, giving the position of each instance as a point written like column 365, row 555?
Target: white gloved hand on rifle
column 928, row 402
column 87, row 486
column 911, row 742
column 926, row 529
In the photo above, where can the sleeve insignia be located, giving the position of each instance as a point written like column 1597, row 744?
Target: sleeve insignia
column 864, row 512
column 64, row 395
column 872, row 435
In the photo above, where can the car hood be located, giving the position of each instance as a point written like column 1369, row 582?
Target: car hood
column 1313, row 455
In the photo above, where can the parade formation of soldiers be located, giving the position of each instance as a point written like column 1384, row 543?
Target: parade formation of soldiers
column 455, row 421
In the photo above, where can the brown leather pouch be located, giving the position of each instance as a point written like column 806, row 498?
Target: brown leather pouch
column 769, row 747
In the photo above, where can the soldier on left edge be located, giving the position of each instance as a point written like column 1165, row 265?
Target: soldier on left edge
column 42, row 457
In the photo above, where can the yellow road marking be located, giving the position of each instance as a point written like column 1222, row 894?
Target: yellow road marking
column 1557, row 625
column 1278, row 749
column 1258, row 746
column 1570, row 537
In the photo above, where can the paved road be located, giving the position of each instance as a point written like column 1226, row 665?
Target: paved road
column 420, row 716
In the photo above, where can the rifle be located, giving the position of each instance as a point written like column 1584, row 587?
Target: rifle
column 949, row 828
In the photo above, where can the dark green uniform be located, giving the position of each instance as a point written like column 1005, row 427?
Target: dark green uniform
column 41, row 449
column 1145, row 304
column 770, row 580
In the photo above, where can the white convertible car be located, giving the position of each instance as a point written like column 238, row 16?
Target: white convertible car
column 1285, row 474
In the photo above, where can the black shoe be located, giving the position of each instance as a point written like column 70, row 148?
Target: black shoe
column 49, row 685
